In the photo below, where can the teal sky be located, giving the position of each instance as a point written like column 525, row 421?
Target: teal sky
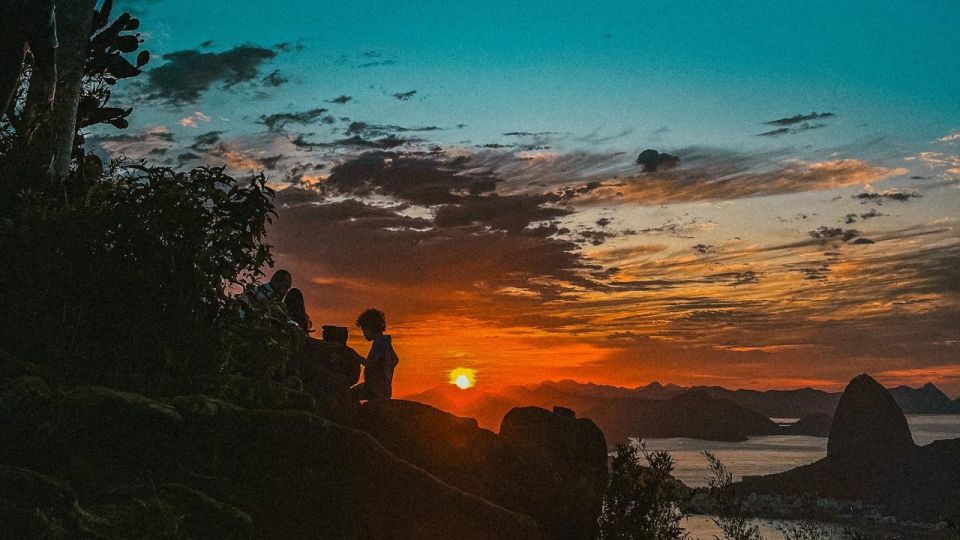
column 674, row 74
column 482, row 176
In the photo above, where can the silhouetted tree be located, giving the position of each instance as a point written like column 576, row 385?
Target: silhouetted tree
column 127, row 281
column 642, row 503
column 729, row 506
column 43, row 139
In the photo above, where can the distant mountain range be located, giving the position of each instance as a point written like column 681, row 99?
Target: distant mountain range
column 660, row 411
column 801, row 402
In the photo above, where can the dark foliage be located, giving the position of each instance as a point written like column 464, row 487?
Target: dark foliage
column 129, row 283
column 113, row 55
column 642, row 503
column 127, row 275
column 730, row 517
column 106, row 66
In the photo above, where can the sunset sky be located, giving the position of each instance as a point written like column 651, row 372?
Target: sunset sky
column 471, row 169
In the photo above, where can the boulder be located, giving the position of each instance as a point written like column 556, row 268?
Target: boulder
column 566, row 457
column 26, row 409
column 868, row 424
column 451, row 448
column 328, row 370
column 110, row 438
column 548, row 465
column 168, row 511
column 329, row 358
column 36, row 506
column 33, row 505
column 11, row 368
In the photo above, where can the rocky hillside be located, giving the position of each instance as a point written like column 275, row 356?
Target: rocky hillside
column 871, row 457
column 93, row 462
column 551, row 466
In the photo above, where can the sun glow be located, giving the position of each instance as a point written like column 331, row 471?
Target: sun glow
column 463, row 378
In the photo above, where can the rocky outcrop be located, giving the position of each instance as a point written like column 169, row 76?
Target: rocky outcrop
column 868, row 424
column 548, row 465
column 226, row 471
column 871, row 457
column 328, row 370
column 565, row 460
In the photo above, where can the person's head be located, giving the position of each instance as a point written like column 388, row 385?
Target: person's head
column 281, row 282
column 294, row 301
column 373, row 323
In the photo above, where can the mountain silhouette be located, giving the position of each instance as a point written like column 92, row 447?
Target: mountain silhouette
column 871, row 457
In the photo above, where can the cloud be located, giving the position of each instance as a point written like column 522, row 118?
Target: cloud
column 356, row 142
column 950, row 137
column 790, row 131
column 737, row 178
column 274, row 79
column 412, row 178
column 277, row 122
column 830, row 233
column 393, row 254
column 192, row 120
column 188, row 74
column 799, row 119
column 379, row 130
column 206, row 140
column 512, row 213
column 652, row 160
column 134, row 145
column 891, row 194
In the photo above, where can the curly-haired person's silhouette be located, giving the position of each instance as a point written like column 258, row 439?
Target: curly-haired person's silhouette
column 380, row 362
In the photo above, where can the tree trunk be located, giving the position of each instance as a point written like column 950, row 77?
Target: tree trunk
column 57, row 127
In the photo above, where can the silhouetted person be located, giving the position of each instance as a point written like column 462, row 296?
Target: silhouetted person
column 297, row 310
column 268, row 297
column 380, row 362
column 27, row 24
column 277, row 287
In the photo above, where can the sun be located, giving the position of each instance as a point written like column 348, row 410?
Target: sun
column 463, row 378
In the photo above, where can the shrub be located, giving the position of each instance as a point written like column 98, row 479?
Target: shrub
column 729, row 507
column 129, row 284
column 642, row 503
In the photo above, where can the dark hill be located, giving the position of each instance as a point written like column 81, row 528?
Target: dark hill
column 868, row 424
column 815, row 425
column 926, row 400
column 695, row 414
column 808, row 401
column 872, row 458
column 618, row 412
